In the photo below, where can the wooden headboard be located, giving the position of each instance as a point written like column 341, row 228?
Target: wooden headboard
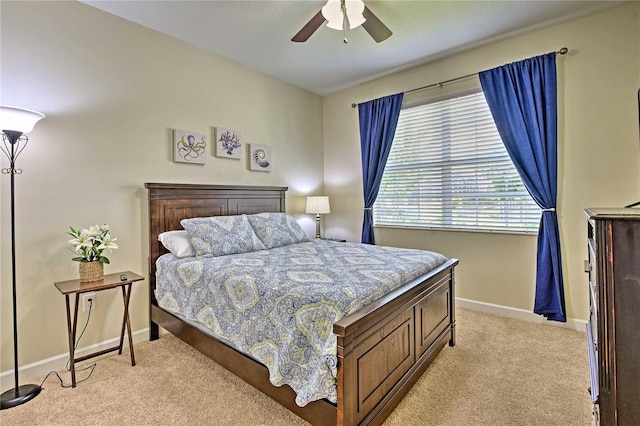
column 169, row 203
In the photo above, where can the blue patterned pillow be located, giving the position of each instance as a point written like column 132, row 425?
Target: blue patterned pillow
column 277, row 229
column 221, row 235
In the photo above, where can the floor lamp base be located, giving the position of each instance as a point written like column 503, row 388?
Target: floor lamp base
column 25, row 393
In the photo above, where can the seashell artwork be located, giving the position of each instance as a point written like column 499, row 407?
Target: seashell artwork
column 259, row 158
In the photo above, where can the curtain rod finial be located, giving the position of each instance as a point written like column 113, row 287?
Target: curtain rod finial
column 563, row 51
column 354, row 105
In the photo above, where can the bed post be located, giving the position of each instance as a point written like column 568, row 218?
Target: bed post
column 155, row 250
column 154, row 329
column 452, row 308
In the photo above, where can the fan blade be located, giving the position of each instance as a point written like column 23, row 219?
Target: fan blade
column 376, row 29
column 309, row 28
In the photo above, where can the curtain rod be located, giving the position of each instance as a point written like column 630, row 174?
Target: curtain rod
column 562, row 51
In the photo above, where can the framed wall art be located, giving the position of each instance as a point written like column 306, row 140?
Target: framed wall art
column 228, row 143
column 259, row 158
column 189, row 147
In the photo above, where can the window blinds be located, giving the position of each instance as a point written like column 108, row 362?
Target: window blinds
column 448, row 168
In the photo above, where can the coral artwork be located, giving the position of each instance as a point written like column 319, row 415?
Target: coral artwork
column 189, row 147
column 228, row 143
column 259, row 158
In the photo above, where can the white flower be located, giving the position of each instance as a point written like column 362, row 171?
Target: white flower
column 83, row 240
column 89, row 243
column 94, row 230
column 108, row 243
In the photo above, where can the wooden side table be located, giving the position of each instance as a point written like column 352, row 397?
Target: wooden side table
column 124, row 280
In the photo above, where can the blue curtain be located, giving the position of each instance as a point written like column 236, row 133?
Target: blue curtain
column 522, row 97
column 378, row 121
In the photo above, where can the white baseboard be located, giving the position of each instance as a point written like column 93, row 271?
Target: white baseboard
column 28, row 373
column 519, row 314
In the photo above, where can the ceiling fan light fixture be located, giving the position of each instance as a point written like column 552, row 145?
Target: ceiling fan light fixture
column 332, row 12
column 355, row 13
column 336, row 12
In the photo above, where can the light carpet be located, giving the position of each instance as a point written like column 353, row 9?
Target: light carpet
column 501, row 372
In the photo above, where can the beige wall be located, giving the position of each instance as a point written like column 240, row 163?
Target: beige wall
column 112, row 92
column 599, row 153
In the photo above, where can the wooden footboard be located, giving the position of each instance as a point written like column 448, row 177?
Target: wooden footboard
column 385, row 347
column 382, row 349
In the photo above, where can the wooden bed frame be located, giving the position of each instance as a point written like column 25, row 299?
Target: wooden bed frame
column 382, row 349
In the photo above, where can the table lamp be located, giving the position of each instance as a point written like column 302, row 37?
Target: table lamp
column 318, row 205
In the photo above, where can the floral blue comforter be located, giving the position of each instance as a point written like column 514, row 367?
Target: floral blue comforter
column 279, row 305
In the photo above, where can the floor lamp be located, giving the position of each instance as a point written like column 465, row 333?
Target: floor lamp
column 14, row 123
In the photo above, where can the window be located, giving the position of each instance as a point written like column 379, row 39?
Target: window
column 449, row 169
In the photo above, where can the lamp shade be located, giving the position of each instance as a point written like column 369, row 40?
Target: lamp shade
column 318, row 205
column 332, row 12
column 355, row 13
column 18, row 119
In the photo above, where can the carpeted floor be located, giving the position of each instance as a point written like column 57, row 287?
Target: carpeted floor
column 501, row 372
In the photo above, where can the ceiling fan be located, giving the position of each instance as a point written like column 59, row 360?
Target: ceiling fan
column 338, row 12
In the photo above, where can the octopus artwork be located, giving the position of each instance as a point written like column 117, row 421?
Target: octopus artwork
column 190, row 147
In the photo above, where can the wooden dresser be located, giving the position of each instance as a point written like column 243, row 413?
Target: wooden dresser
column 613, row 331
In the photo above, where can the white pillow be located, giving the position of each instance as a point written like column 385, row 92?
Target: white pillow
column 178, row 243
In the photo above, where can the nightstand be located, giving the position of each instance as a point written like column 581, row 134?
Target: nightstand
column 334, row 239
column 124, row 280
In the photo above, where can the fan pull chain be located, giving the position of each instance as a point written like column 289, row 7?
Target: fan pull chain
column 344, row 22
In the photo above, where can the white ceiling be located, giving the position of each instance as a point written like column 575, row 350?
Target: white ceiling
column 257, row 33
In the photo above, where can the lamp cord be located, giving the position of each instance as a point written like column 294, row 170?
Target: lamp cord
column 68, row 368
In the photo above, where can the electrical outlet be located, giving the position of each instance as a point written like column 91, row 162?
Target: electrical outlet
column 88, row 301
